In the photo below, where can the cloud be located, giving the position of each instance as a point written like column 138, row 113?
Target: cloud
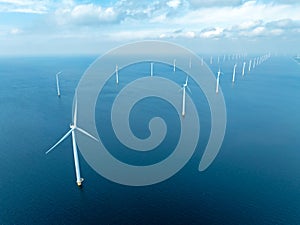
column 173, row 4
column 15, row 31
column 214, row 3
column 26, row 6
column 86, row 14
column 129, row 20
column 212, row 33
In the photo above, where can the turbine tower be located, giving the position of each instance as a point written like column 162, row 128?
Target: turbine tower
column 243, row 71
column 233, row 74
column 151, row 69
column 184, row 86
column 250, row 65
column 174, row 65
column 57, row 84
column 117, row 74
column 73, row 128
column 218, row 81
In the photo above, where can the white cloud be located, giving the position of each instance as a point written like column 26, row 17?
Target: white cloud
column 173, row 4
column 212, row 33
column 85, row 14
column 190, row 34
column 214, row 3
column 26, row 6
column 277, row 32
column 127, row 20
column 15, row 31
column 248, row 24
column 92, row 12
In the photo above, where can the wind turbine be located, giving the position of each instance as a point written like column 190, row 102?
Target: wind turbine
column 202, row 61
column 250, row 65
column 243, row 71
column 57, row 84
column 190, row 64
column 73, row 128
column 174, row 65
column 117, row 74
column 151, row 69
column 211, row 60
column 184, row 86
column 218, row 81
column 233, row 74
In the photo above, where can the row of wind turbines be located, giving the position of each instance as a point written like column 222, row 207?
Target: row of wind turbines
column 74, row 128
column 251, row 65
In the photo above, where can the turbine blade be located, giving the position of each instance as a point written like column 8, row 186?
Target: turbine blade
column 189, row 89
column 58, row 73
column 75, row 111
column 86, row 133
column 61, row 140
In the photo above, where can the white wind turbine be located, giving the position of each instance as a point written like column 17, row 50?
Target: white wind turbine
column 184, row 86
column 249, row 69
column 233, row 74
column 174, row 65
column 218, row 81
column 117, row 74
column 57, row 84
column 243, row 71
column 151, row 69
column 74, row 128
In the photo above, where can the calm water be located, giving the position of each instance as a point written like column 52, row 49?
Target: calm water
column 255, row 179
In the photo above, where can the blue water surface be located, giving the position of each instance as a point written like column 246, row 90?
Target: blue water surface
column 255, row 179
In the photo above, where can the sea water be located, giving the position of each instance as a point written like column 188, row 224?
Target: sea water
column 255, row 179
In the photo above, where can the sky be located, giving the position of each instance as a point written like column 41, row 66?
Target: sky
column 94, row 27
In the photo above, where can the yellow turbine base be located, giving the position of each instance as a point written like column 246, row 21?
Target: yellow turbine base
column 79, row 183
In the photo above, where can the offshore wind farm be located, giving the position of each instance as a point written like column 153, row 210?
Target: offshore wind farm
column 149, row 112
column 256, row 107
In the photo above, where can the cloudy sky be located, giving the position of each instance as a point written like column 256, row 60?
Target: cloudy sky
column 82, row 26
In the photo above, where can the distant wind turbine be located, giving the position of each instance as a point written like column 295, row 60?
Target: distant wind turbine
column 233, row 74
column 202, row 61
column 185, row 85
column 190, row 64
column 117, row 74
column 243, row 71
column 211, row 60
column 218, row 81
column 250, row 65
column 174, row 65
column 57, row 84
column 151, row 69
column 73, row 128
